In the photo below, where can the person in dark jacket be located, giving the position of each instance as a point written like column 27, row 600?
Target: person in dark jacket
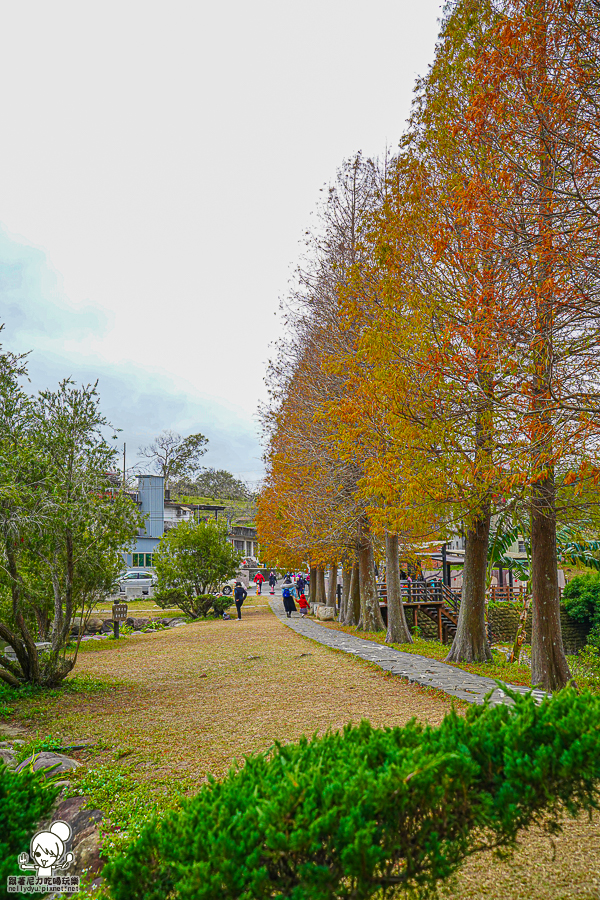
column 287, row 592
column 300, row 584
column 272, row 581
column 239, row 595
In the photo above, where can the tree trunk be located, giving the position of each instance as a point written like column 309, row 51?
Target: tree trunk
column 25, row 649
column 549, row 667
column 332, row 586
column 346, row 577
column 353, row 608
column 397, row 627
column 470, row 643
column 320, row 597
column 312, row 584
column 370, row 612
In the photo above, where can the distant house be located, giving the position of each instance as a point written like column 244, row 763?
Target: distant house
column 174, row 513
column 244, row 539
column 160, row 513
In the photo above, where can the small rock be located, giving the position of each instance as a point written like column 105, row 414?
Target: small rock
column 325, row 612
column 85, row 842
column 11, row 731
column 55, row 762
column 87, row 854
column 92, row 626
column 178, row 621
column 80, row 819
column 7, row 756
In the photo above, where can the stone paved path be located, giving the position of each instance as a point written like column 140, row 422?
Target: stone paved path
column 419, row 669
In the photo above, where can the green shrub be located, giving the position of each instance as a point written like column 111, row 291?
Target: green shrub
column 347, row 814
column 585, row 667
column 581, row 600
column 195, row 606
column 221, row 604
column 155, row 625
column 25, row 799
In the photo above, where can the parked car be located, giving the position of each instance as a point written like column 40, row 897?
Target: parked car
column 137, row 579
column 228, row 587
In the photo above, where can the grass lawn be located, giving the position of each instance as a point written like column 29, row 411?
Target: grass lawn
column 163, row 711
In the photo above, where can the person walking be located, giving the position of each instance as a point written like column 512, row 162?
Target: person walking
column 272, row 581
column 300, row 584
column 287, row 593
column 239, row 595
column 258, row 581
column 303, row 604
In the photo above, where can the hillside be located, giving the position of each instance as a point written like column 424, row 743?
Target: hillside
column 238, row 512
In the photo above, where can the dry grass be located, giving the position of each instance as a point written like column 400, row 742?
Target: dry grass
column 186, row 701
column 190, row 699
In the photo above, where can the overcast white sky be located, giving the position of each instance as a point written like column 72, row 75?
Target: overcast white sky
column 160, row 163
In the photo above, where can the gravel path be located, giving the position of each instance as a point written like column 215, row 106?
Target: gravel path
column 417, row 669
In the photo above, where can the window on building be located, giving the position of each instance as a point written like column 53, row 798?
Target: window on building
column 142, row 560
column 522, row 547
column 239, row 546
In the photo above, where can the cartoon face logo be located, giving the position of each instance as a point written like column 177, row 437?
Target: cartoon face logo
column 48, row 851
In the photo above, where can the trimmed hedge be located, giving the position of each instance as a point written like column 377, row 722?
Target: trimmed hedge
column 347, row 814
column 25, row 799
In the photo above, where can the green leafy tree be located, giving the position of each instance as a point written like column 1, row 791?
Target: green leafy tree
column 572, row 548
column 216, row 484
column 191, row 562
column 174, row 456
column 63, row 525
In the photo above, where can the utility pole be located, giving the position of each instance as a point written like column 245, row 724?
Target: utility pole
column 124, row 458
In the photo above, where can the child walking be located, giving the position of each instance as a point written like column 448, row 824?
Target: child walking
column 303, row 604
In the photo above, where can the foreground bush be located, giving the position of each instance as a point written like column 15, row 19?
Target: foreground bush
column 345, row 815
column 25, row 799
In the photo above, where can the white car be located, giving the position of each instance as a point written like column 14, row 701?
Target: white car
column 228, row 587
column 137, row 579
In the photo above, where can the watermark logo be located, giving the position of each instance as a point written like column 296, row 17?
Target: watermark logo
column 48, row 857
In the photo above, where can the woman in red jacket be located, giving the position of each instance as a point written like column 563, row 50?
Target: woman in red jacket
column 258, row 581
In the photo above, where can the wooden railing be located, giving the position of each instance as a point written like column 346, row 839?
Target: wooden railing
column 504, row 593
column 426, row 592
column 436, row 590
